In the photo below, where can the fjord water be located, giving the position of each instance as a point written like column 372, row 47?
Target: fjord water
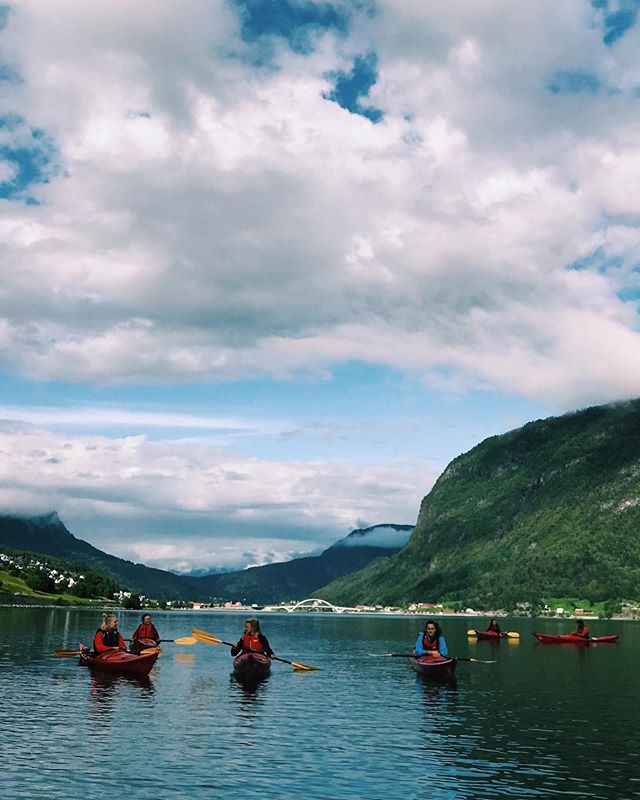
column 541, row 722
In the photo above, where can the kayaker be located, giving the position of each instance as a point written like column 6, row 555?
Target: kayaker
column 581, row 630
column 494, row 627
column 108, row 637
column 146, row 630
column 430, row 642
column 253, row 640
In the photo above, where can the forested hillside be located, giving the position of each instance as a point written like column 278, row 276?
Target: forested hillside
column 549, row 509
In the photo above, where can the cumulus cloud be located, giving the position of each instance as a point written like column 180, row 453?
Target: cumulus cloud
column 184, row 507
column 210, row 217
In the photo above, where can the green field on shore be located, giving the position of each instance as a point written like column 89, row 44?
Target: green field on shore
column 13, row 587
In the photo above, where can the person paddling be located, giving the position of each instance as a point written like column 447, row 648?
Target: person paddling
column 581, row 630
column 494, row 627
column 145, row 635
column 431, row 642
column 108, row 637
column 252, row 640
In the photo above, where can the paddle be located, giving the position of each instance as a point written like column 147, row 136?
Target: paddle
column 209, row 638
column 182, row 640
column 508, row 634
column 411, row 655
column 70, row 653
column 66, row 653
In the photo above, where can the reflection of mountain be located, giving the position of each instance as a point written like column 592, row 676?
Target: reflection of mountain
column 551, row 509
column 267, row 584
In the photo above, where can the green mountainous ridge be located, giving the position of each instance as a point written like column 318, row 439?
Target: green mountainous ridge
column 547, row 510
column 551, row 509
column 270, row 583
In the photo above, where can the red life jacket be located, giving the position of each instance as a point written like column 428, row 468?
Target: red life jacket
column 251, row 643
column 584, row 632
column 146, row 632
column 427, row 644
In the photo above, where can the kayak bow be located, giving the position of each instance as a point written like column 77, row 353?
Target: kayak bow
column 436, row 667
column 490, row 635
column 138, row 645
column 119, row 661
column 251, row 666
column 569, row 638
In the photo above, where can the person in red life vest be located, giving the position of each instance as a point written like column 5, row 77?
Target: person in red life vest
column 430, row 642
column 493, row 626
column 146, row 630
column 581, row 630
column 253, row 640
column 108, row 637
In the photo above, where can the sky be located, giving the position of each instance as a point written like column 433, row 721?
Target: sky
column 267, row 267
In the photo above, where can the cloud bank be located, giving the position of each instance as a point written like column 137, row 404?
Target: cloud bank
column 216, row 193
column 185, row 507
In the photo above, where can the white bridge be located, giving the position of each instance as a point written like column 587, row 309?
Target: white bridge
column 310, row 604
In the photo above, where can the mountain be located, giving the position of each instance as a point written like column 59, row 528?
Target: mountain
column 551, row 509
column 300, row 577
column 48, row 535
column 270, row 583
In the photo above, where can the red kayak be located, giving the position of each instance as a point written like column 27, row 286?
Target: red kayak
column 138, row 645
column 251, row 666
column 569, row 638
column 436, row 667
column 119, row 661
column 490, row 635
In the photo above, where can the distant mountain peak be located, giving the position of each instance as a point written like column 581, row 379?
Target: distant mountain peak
column 388, row 535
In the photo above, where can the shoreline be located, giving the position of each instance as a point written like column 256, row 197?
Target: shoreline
column 365, row 614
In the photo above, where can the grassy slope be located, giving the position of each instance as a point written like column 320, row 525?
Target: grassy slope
column 11, row 586
column 551, row 509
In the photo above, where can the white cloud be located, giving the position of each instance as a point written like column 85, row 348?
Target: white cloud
column 185, row 506
column 215, row 220
column 81, row 417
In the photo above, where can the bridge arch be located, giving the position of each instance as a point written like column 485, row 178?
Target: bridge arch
column 316, row 603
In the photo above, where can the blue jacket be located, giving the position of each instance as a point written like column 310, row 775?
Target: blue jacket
column 420, row 651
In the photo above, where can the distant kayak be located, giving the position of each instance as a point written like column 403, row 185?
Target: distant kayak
column 251, row 666
column 492, row 635
column 436, row 667
column 119, row 661
column 569, row 638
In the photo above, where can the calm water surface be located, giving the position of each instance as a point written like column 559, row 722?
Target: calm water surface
column 541, row 722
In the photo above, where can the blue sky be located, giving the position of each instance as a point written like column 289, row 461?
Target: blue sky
column 268, row 267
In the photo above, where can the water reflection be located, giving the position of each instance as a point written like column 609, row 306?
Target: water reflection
column 522, row 727
column 184, row 658
column 105, row 687
column 249, row 686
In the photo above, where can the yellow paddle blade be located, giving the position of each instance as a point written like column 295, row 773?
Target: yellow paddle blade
column 203, row 636
column 66, row 653
column 149, row 650
column 513, row 634
column 186, row 640
column 303, row 667
column 471, row 633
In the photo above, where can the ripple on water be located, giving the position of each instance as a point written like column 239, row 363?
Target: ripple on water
column 536, row 724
